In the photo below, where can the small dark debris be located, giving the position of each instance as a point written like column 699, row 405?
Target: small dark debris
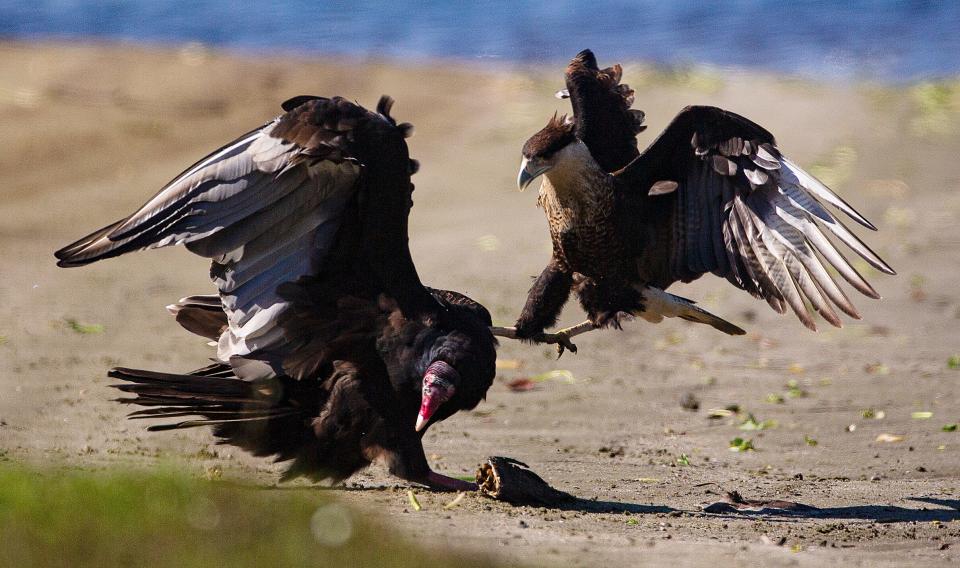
column 521, row 385
column 689, row 402
column 612, row 451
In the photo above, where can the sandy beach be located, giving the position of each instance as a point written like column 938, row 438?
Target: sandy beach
column 91, row 131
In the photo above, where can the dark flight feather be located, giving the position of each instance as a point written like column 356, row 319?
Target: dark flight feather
column 267, row 208
column 601, row 107
column 734, row 174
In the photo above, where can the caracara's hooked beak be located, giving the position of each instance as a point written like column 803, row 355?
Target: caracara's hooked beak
column 438, row 387
column 529, row 171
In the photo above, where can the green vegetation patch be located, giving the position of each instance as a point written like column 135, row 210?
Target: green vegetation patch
column 741, row 445
column 83, row 328
column 937, row 105
column 74, row 518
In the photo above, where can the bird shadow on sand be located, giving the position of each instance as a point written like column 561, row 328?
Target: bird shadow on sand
column 947, row 509
column 574, row 504
column 874, row 513
column 592, row 506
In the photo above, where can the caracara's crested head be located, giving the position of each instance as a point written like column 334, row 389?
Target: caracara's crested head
column 551, row 138
column 541, row 150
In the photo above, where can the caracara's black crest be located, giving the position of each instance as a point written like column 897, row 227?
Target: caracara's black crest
column 557, row 134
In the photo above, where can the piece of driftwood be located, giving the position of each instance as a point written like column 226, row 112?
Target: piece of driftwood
column 733, row 502
column 507, row 479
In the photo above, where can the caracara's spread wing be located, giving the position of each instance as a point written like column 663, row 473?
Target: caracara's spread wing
column 601, row 111
column 725, row 200
column 267, row 208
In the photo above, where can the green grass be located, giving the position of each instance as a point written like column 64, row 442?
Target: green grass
column 84, row 328
column 73, row 518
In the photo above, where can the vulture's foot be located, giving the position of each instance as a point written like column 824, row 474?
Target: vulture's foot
column 440, row 482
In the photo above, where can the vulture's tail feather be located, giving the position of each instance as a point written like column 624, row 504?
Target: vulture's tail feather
column 277, row 417
column 658, row 304
column 213, row 395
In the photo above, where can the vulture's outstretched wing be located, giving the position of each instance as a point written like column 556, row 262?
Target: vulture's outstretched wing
column 716, row 195
column 601, row 111
column 267, row 207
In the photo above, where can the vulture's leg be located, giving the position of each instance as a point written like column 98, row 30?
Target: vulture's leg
column 544, row 301
column 409, row 462
column 444, row 483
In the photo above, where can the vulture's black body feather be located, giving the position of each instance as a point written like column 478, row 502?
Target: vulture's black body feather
column 331, row 351
column 712, row 193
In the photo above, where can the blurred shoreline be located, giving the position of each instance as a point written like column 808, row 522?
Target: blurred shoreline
column 195, row 51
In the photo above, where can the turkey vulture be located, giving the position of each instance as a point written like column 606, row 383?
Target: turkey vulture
column 712, row 193
column 330, row 351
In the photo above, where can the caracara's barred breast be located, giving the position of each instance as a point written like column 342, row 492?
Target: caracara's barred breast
column 582, row 227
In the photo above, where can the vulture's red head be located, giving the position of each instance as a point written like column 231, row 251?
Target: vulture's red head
column 448, row 361
column 546, row 149
column 439, row 386
column 459, row 363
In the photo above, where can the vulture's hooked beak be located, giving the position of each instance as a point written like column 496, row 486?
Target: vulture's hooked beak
column 437, row 389
column 529, row 171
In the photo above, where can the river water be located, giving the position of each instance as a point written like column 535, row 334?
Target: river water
column 886, row 41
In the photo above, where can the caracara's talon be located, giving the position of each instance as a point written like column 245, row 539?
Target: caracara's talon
column 564, row 344
column 568, row 344
column 561, row 339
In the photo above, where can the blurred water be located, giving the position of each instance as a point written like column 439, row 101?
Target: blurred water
column 889, row 41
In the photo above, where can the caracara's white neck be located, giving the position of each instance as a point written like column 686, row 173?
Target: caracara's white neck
column 571, row 164
column 573, row 172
